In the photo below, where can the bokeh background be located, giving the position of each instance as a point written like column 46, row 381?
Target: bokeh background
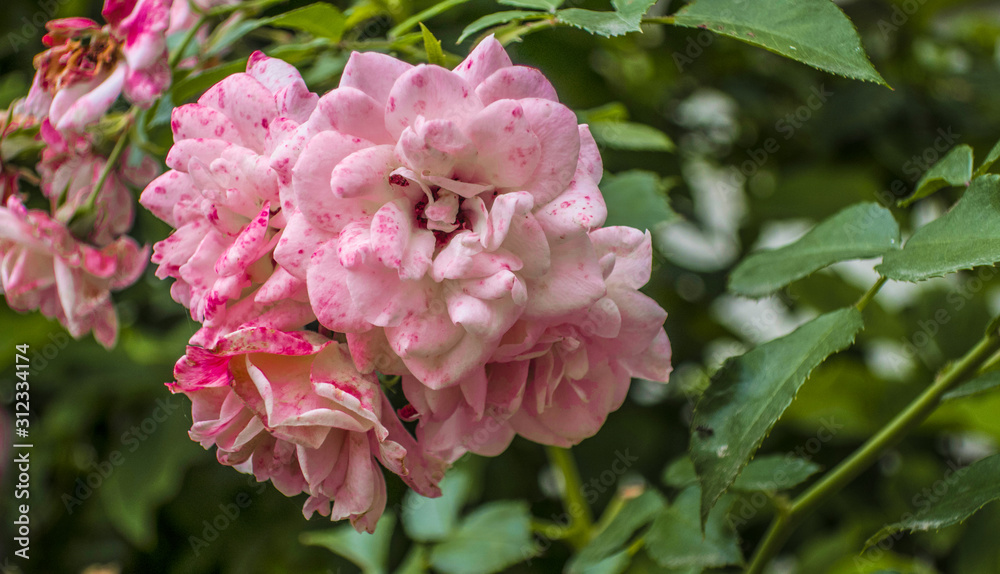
column 835, row 142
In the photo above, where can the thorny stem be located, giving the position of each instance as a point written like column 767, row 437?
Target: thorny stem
column 581, row 519
column 914, row 414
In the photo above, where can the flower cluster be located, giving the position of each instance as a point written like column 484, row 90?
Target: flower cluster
column 65, row 260
column 444, row 226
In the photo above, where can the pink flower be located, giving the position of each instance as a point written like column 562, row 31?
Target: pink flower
column 69, row 172
column 291, row 408
column 222, row 197
column 556, row 383
column 441, row 207
column 44, row 267
column 87, row 66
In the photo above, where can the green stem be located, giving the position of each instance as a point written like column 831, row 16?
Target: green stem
column 427, row 14
column 658, row 20
column 581, row 519
column 523, row 30
column 914, row 414
column 867, row 297
column 116, row 154
column 175, row 58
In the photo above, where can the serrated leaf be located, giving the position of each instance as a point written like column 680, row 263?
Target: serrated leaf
column 491, row 538
column 676, row 540
column 627, row 17
column 321, row 20
column 954, row 169
column 991, row 158
column 547, row 5
column 965, row 237
column 982, row 383
column 774, row 472
column 435, row 55
column 969, row 489
column 814, row 32
column 631, row 136
column 858, row 232
column 636, row 199
column 601, row 553
column 433, row 519
column 750, row 392
column 496, row 19
column 370, row 552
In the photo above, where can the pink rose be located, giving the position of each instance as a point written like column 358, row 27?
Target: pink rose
column 222, row 197
column 87, row 65
column 292, row 408
column 44, row 267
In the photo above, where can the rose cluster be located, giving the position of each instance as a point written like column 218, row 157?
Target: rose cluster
column 439, row 226
column 65, row 259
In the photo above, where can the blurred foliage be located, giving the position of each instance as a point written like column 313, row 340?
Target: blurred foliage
column 764, row 147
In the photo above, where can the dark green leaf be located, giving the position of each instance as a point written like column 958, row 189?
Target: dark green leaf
column 991, row 158
column 369, row 551
column 675, row 540
column 630, row 136
column 774, row 472
column 963, row 238
column 680, row 473
column 954, row 169
column 196, row 85
column 433, row 519
column 860, row 231
column 637, row 199
column 969, row 489
column 814, row 32
column 750, row 392
column 601, row 554
column 626, row 18
column 980, row 384
column 496, row 19
column 321, row 20
column 533, row 4
column 495, row 536
column 432, row 46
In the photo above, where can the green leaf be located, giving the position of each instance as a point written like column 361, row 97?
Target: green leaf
column 980, row 384
column 493, row 537
column 416, row 561
column 630, row 136
column 601, row 553
column 953, row 170
column 991, row 158
column 435, row 55
column 433, row 519
column 626, row 18
column 774, row 472
column 150, row 472
column 496, row 19
column 965, row 237
column 369, row 551
column 196, row 85
column 675, row 540
column 750, row 392
column 321, row 20
column 969, row 489
column 637, row 199
column 548, row 5
column 814, row 32
column 680, row 473
column 860, row 231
